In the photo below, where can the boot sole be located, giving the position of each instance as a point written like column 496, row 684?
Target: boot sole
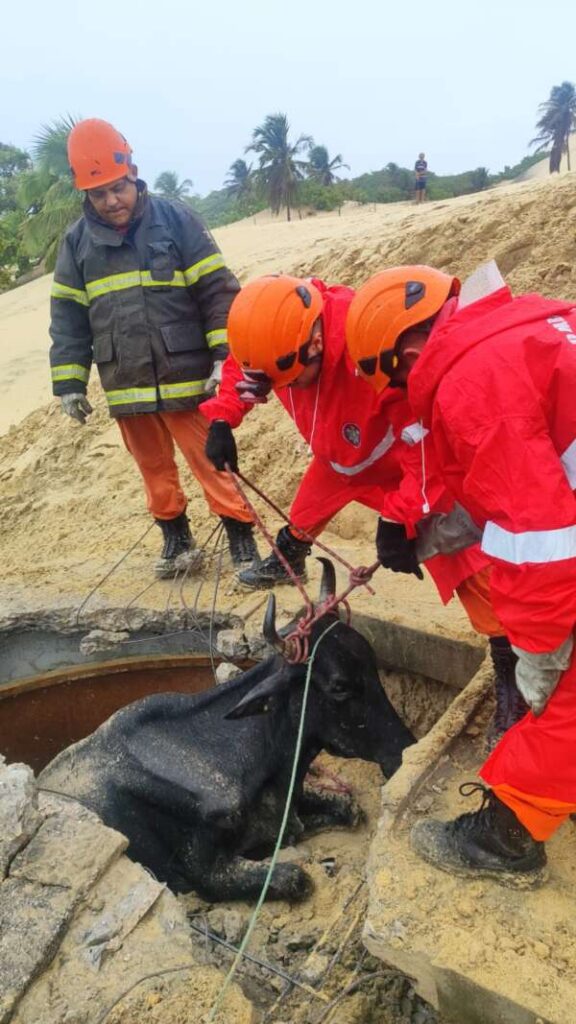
column 451, row 864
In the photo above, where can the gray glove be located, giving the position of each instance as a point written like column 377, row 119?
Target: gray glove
column 444, row 533
column 77, row 406
column 215, row 378
column 537, row 675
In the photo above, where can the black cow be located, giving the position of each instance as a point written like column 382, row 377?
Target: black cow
column 198, row 783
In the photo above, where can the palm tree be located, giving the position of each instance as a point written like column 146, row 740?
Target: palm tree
column 279, row 170
column 47, row 192
column 557, row 122
column 168, row 186
column 321, row 168
column 240, row 181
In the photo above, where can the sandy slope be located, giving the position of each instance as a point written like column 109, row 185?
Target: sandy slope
column 541, row 170
column 71, row 498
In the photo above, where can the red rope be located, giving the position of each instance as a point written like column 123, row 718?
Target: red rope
column 297, row 643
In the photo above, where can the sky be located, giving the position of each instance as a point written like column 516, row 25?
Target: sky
column 372, row 80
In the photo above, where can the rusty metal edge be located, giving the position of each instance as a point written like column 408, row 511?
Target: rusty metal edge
column 99, row 668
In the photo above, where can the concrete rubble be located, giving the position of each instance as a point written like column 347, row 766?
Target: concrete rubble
column 81, row 925
column 225, row 672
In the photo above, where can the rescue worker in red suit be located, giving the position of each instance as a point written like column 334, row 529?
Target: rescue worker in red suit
column 141, row 289
column 289, row 334
column 492, row 377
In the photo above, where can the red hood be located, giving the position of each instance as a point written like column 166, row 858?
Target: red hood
column 463, row 329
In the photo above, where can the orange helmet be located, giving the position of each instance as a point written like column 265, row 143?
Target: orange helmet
column 386, row 306
column 269, row 325
column 98, row 154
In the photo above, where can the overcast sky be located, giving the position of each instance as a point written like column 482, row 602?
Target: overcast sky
column 187, row 81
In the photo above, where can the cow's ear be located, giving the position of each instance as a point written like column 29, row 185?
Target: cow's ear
column 256, row 700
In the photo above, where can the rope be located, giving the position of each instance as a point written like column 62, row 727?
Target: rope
column 267, row 880
column 307, row 536
column 110, row 571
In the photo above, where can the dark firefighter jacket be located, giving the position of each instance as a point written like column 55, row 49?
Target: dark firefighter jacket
column 148, row 307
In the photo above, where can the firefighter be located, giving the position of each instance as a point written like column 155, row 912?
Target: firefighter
column 492, row 377
column 141, row 289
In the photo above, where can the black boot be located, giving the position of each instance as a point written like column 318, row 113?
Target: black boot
column 488, row 843
column 178, row 553
column 510, row 705
column 271, row 570
column 241, row 542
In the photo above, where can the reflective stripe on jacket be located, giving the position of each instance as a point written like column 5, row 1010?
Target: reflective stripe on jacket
column 149, row 307
column 496, row 385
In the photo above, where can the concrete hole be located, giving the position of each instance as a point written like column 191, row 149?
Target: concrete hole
column 52, row 693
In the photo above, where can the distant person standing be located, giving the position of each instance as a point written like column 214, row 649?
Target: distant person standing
column 420, row 177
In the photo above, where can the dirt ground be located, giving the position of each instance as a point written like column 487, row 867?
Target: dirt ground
column 72, row 507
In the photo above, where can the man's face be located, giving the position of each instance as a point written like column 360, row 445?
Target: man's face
column 115, row 202
column 311, row 371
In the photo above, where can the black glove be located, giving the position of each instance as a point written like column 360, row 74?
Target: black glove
column 394, row 549
column 221, row 446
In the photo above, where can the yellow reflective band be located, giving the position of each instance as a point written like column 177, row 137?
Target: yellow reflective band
column 130, row 396
column 132, row 279
column 62, row 291
column 187, row 389
column 217, row 338
column 203, row 267
column 70, row 371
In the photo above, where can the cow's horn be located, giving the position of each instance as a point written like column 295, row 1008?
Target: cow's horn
column 269, row 628
column 328, row 584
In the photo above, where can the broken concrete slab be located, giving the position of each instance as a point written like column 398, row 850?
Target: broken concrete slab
column 130, row 927
column 19, row 816
column 33, row 918
column 477, row 951
column 47, row 858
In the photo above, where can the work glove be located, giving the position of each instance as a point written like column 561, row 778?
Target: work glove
column 77, row 406
column 394, row 550
column 537, row 675
column 254, row 387
column 215, row 378
column 221, row 446
column 444, row 533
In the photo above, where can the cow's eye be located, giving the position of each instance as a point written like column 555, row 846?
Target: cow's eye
column 340, row 691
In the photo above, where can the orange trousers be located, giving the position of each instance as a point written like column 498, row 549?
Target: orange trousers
column 150, row 438
column 474, row 596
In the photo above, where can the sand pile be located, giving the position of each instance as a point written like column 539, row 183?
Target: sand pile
column 72, row 501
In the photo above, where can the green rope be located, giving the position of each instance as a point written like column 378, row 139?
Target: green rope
column 274, row 857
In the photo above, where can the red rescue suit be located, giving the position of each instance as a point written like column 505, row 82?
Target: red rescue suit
column 495, row 383
column 355, row 436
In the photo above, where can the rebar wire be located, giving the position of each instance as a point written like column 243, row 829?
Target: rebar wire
column 220, row 545
column 147, row 977
column 256, row 960
column 216, row 534
column 327, row 933
column 111, row 571
column 328, row 1012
